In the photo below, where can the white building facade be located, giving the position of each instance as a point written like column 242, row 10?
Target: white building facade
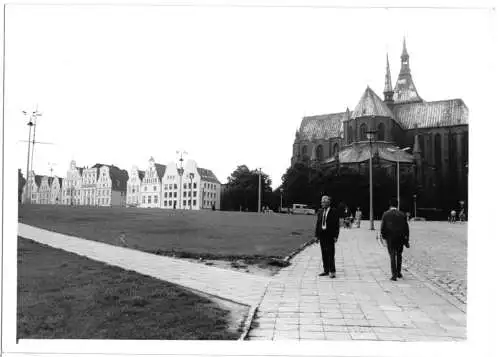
column 134, row 187
column 111, row 186
column 72, row 184
column 151, row 190
column 56, row 191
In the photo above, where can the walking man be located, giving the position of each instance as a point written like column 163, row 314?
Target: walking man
column 395, row 231
column 327, row 231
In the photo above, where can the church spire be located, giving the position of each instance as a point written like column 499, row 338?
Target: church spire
column 405, row 90
column 388, row 92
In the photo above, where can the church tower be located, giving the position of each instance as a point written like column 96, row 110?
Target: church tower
column 405, row 90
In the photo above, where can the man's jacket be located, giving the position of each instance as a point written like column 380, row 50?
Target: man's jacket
column 332, row 224
column 394, row 227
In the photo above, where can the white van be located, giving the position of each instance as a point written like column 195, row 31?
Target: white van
column 298, row 208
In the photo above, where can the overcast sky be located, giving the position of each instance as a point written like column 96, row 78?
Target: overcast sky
column 119, row 84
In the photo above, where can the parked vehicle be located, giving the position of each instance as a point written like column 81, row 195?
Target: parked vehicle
column 298, row 208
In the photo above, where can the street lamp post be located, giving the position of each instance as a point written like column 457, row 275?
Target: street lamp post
column 191, row 176
column 371, row 135
column 281, row 200
column 181, row 173
column 397, row 169
column 259, row 203
column 415, row 204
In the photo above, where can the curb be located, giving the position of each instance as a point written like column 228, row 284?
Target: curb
column 298, row 250
column 253, row 310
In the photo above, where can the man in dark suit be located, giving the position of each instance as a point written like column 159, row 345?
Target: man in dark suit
column 395, row 231
column 327, row 231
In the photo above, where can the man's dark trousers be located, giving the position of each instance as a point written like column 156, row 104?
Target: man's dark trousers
column 396, row 254
column 327, row 252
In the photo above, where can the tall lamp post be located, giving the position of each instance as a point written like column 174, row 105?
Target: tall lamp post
column 415, row 204
column 258, row 202
column 180, row 170
column 371, row 135
column 27, row 191
column 397, row 168
column 191, row 176
column 281, row 199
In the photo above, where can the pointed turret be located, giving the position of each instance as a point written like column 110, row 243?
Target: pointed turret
column 405, row 90
column 388, row 92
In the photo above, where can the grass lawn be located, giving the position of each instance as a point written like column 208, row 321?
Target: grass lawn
column 206, row 234
column 62, row 295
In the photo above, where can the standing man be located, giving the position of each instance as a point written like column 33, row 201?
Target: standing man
column 394, row 229
column 358, row 217
column 327, row 231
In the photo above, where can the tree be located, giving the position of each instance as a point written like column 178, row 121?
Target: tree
column 21, row 181
column 242, row 189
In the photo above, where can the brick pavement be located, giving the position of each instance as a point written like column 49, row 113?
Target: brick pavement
column 239, row 287
column 360, row 304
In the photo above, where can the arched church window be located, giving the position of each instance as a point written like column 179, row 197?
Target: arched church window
column 362, row 132
column 304, row 150
column 349, row 135
column 437, row 150
column 319, row 152
column 335, row 149
column 381, row 132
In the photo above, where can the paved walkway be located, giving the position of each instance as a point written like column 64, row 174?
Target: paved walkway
column 239, row 287
column 360, row 304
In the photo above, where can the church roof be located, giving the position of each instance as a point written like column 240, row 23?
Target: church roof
column 322, row 126
column 207, row 175
column 441, row 113
column 371, row 104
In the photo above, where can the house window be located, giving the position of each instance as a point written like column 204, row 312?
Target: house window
column 185, row 186
column 175, row 186
column 166, row 195
column 189, row 202
column 154, row 188
column 156, row 199
column 165, row 203
column 170, row 203
column 149, row 199
column 175, row 194
column 184, row 202
column 166, row 187
column 170, row 186
column 362, row 132
column 194, row 202
column 145, row 188
column 194, row 185
column 189, row 185
column 170, row 194
column 194, row 193
column 184, row 194
column 189, row 194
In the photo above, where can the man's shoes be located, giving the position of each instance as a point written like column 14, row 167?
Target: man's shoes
column 400, row 276
column 332, row 275
column 394, row 278
column 323, row 274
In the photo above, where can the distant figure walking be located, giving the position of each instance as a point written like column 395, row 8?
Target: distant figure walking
column 358, row 215
column 395, row 231
column 327, row 231
column 453, row 216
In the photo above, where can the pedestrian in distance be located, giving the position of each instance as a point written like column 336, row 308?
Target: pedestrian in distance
column 395, row 231
column 327, row 231
column 358, row 215
column 453, row 216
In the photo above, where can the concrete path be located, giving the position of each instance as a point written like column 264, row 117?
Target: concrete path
column 239, row 287
column 360, row 304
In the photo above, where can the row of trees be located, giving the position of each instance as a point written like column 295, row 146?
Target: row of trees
column 304, row 184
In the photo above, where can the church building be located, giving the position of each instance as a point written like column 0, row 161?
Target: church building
column 428, row 139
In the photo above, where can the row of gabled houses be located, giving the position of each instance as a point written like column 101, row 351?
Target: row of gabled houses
column 159, row 186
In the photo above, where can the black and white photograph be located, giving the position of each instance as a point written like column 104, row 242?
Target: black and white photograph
column 289, row 177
